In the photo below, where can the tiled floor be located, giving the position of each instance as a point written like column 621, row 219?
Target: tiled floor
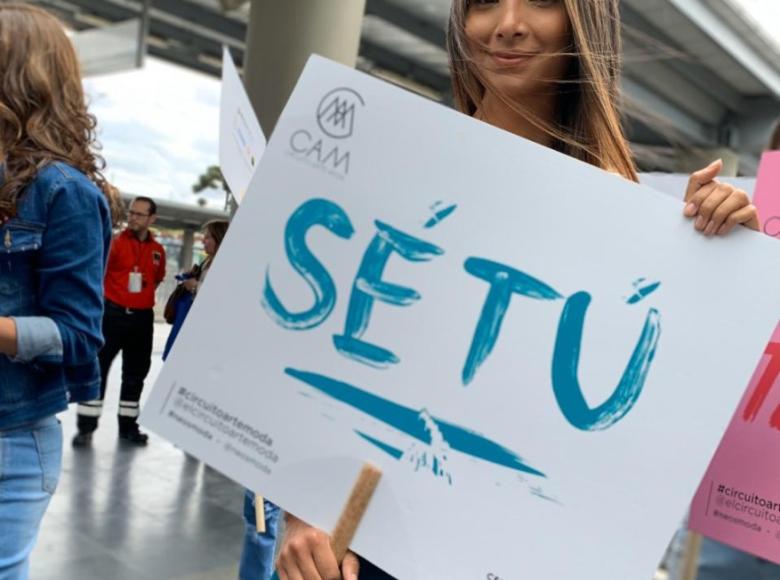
column 150, row 513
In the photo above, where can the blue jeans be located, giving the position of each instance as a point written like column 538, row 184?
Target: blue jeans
column 257, row 555
column 720, row 562
column 30, row 462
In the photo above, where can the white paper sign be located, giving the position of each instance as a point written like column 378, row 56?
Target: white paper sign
column 540, row 356
column 241, row 139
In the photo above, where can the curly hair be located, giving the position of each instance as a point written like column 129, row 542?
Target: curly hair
column 43, row 112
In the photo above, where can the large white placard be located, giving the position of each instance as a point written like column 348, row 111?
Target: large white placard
column 539, row 355
column 241, row 139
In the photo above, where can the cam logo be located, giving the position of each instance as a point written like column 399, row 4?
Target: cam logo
column 336, row 112
column 325, row 149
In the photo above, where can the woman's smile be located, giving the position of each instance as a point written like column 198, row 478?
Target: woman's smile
column 510, row 59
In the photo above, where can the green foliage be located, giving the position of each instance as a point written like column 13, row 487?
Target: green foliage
column 211, row 178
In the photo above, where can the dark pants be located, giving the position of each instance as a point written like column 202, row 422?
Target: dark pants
column 370, row 572
column 131, row 332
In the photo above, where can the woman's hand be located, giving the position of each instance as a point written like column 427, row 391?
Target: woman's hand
column 306, row 554
column 717, row 207
column 191, row 284
column 8, row 343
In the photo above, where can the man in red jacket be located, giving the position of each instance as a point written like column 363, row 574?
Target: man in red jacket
column 136, row 266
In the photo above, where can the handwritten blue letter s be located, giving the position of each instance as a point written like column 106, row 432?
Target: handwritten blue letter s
column 314, row 212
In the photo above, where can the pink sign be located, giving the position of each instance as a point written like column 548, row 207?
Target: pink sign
column 738, row 501
column 767, row 194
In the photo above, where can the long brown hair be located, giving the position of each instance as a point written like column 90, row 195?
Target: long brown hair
column 217, row 229
column 43, row 113
column 589, row 123
column 774, row 142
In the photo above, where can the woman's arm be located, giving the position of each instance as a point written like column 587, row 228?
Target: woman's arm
column 70, row 268
column 7, row 336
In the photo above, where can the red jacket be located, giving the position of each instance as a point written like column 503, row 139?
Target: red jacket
column 129, row 254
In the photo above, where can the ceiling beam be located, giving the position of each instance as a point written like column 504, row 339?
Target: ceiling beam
column 197, row 13
column 663, row 50
column 399, row 16
column 671, row 122
column 404, row 66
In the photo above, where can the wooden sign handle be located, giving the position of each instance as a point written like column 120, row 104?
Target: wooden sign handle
column 354, row 509
column 260, row 513
column 690, row 567
column 353, row 512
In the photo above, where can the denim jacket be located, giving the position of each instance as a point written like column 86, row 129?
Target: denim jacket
column 52, row 261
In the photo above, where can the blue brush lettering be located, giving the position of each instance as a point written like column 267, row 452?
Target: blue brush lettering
column 314, row 212
column 369, row 287
column 566, row 358
column 642, row 291
column 504, row 281
column 393, row 452
column 411, row 423
column 440, row 215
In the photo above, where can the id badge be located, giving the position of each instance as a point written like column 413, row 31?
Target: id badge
column 134, row 282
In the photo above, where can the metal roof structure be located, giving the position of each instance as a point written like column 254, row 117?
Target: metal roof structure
column 177, row 215
column 698, row 73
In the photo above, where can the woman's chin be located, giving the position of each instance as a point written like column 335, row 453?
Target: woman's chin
column 510, row 86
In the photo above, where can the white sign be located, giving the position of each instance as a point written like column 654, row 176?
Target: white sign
column 241, row 139
column 540, row 356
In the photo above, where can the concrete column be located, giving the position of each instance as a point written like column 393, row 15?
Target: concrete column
column 280, row 38
column 185, row 255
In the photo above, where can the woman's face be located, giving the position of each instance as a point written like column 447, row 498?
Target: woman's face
column 209, row 244
column 516, row 44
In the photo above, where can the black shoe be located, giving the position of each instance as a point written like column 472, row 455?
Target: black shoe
column 135, row 437
column 82, row 440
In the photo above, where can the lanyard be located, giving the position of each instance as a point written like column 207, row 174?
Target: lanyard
column 137, row 251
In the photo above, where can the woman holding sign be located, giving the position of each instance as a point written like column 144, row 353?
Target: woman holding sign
column 55, row 231
column 546, row 70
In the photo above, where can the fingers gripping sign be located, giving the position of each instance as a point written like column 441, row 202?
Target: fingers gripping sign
column 306, row 553
column 716, row 207
column 350, row 567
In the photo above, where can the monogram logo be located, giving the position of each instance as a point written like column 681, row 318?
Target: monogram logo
column 336, row 112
